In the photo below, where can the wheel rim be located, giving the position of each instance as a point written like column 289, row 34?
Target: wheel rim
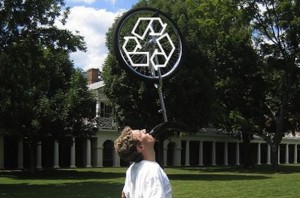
column 148, row 44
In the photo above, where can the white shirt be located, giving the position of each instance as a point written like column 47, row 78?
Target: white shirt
column 146, row 179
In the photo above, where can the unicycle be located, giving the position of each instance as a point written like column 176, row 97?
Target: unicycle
column 149, row 45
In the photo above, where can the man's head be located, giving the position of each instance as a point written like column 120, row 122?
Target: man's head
column 132, row 144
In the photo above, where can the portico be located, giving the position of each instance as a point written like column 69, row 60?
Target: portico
column 202, row 149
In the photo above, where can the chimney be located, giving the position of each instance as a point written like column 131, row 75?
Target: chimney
column 93, row 75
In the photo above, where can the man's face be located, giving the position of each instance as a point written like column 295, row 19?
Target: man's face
column 144, row 137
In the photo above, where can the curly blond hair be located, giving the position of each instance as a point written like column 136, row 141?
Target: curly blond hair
column 125, row 146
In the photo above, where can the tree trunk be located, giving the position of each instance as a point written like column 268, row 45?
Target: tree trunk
column 274, row 154
column 247, row 150
column 280, row 129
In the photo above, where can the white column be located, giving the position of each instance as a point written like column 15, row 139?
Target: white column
column 201, row 153
column 258, row 154
column 165, row 155
column 97, row 108
column 56, row 154
column 287, row 153
column 213, row 157
column 187, row 153
column 116, row 162
column 100, row 156
column 269, row 154
column 1, row 152
column 295, row 154
column 237, row 157
column 225, row 153
column 177, row 156
column 88, row 154
column 39, row 155
column 278, row 153
column 20, row 154
column 73, row 154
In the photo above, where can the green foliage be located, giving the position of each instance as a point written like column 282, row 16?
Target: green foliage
column 135, row 102
column 41, row 94
column 80, row 106
column 255, row 48
column 238, row 82
column 277, row 37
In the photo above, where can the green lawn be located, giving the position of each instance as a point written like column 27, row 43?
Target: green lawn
column 191, row 182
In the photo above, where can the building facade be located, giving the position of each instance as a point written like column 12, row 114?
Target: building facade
column 206, row 148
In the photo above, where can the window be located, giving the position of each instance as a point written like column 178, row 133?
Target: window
column 105, row 110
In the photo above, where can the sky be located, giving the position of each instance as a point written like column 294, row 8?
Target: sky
column 93, row 18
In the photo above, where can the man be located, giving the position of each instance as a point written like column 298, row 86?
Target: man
column 144, row 178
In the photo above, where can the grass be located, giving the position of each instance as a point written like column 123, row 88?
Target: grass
column 186, row 182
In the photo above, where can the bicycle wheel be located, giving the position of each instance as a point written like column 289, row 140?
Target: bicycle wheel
column 148, row 44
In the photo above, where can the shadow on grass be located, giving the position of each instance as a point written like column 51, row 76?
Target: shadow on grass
column 65, row 190
column 259, row 169
column 61, row 174
column 194, row 173
column 215, row 177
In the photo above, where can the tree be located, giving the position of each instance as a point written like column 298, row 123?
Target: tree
column 42, row 95
column 277, row 37
column 80, row 102
column 239, row 85
column 135, row 102
column 257, row 84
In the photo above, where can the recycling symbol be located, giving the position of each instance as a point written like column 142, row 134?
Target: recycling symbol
column 144, row 35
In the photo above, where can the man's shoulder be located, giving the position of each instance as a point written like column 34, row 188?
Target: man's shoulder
column 150, row 163
column 144, row 165
column 151, row 167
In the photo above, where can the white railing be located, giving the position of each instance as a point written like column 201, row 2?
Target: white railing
column 106, row 123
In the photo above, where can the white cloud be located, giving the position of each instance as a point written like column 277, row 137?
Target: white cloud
column 92, row 24
column 82, row 1
column 90, row 1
